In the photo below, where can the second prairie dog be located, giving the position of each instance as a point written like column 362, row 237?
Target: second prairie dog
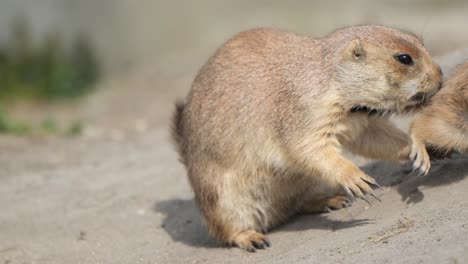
column 263, row 128
column 443, row 124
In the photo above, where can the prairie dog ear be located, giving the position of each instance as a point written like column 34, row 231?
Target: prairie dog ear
column 355, row 50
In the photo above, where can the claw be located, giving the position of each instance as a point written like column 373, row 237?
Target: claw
column 365, row 199
column 376, row 185
column 372, row 183
column 267, row 242
column 422, row 172
column 259, row 245
column 347, row 203
column 375, row 196
column 251, row 249
column 419, row 170
column 415, row 167
column 349, row 193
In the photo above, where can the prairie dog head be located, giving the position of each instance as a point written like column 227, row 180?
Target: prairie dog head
column 384, row 70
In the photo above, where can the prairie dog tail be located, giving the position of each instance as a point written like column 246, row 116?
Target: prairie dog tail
column 177, row 128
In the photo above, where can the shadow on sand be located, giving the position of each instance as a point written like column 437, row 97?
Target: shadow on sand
column 183, row 223
column 182, row 220
column 408, row 185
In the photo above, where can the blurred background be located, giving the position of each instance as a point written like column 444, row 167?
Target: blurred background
column 87, row 170
column 109, row 68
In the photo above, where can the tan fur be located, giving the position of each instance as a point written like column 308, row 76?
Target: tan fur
column 443, row 125
column 264, row 125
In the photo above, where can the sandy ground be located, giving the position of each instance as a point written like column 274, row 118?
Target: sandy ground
column 129, row 202
column 117, row 194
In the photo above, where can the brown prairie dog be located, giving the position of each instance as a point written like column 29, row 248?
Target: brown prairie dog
column 443, row 124
column 263, row 128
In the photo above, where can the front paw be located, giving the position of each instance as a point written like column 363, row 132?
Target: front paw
column 420, row 157
column 359, row 185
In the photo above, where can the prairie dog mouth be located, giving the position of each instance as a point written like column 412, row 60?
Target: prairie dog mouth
column 370, row 111
column 415, row 105
column 418, row 101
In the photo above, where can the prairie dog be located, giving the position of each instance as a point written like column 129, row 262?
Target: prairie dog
column 262, row 130
column 443, row 124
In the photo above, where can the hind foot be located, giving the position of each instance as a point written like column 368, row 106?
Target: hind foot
column 251, row 240
column 327, row 204
column 338, row 202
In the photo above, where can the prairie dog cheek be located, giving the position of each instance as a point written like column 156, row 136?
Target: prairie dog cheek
column 411, row 87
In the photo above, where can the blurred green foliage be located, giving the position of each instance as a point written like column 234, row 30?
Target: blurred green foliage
column 75, row 129
column 43, row 70
column 48, row 126
column 7, row 125
column 46, row 70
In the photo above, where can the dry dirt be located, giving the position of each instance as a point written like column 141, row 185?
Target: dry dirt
column 117, row 194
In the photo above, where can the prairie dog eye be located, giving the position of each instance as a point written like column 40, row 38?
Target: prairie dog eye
column 404, row 59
